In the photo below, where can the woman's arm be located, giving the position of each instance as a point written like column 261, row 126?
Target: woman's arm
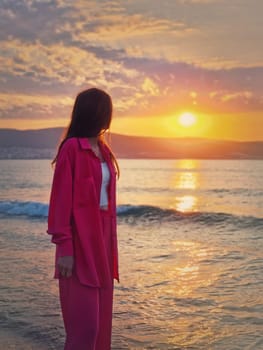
column 60, row 209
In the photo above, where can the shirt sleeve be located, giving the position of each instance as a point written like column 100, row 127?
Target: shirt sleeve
column 60, row 205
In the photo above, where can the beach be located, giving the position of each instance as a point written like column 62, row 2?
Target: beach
column 190, row 243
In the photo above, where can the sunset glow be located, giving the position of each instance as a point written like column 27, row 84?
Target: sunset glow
column 187, row 119
column 164, row 79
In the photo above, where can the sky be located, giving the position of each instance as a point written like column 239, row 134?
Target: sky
column 157, row 59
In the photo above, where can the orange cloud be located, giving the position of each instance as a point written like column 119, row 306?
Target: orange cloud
column 60, row 62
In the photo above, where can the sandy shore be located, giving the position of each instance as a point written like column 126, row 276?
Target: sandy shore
column 11, row 341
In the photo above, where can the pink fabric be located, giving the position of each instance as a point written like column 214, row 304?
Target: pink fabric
column 74, row 213
column 87, row 311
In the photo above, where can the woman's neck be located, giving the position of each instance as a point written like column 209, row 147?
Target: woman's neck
column 93, row 140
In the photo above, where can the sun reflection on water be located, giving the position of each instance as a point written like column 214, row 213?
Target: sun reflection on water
column 186, row 203
column 188, row 274
column 187, row 181
column 172, row 293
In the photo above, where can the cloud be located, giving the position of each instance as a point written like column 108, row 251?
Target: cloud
column 150, row 56
column 238, row 100
column 33, row 106
column 45, row 67
column 139, row 86
column 175, row 31
column 150, row 87
column 201, row 1
column 115, row 27
column 237, row 96
column 65, row 64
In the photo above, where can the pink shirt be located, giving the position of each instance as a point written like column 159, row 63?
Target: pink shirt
column 74, row 211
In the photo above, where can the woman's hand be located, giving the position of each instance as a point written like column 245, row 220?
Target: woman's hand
column 65, row 265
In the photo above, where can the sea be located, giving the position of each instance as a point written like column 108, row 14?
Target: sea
column 191, row 256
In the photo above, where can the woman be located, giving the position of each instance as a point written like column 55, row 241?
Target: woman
column 82, row 222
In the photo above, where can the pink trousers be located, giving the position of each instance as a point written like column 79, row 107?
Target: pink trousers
column 87, row 311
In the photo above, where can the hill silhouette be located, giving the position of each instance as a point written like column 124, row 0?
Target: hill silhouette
column 138, row 147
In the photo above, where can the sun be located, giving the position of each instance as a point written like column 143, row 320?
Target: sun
column 187, row 119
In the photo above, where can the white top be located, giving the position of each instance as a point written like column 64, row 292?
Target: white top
column 104, row 184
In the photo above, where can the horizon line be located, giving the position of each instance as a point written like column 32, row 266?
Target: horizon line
column 146, row 137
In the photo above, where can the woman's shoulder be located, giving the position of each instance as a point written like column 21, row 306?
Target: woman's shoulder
column 70, row 143
column 68, row 147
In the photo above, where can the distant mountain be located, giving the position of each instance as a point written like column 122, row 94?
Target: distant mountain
column 42, row 144
column 42, row 138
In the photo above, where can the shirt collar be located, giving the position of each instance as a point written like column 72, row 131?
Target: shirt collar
column 84, row 143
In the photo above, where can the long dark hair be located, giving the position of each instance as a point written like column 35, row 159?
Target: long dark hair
column 91, row 117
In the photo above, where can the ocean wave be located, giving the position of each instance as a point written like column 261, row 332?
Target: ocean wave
column 133, row 213
column 29, row 209
column 138, row 214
